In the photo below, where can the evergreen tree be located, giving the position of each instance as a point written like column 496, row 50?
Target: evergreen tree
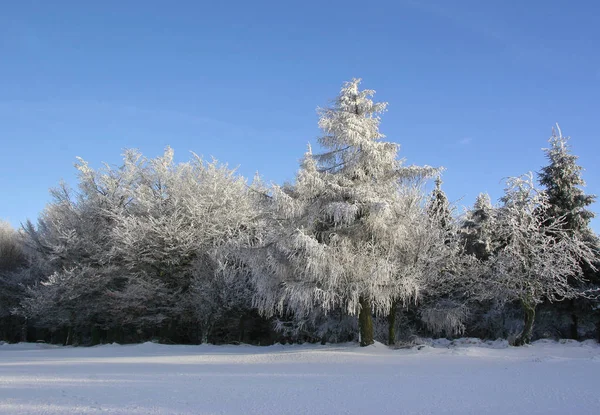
column 439, row 206
column 562, row 181
column 477, row 228
column 334, row 241
column 443, row 306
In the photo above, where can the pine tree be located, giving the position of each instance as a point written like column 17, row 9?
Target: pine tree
column 563, row 184
column 477, row 228
column 334, row 243
column 443, row 305
column 439, row 206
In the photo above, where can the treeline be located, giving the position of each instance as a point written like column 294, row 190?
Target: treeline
column 353, row 250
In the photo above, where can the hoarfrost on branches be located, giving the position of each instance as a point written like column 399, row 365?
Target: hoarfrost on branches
column 340, row 230
column 537, row 258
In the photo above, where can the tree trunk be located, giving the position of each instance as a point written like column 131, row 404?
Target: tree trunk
column 96, row 335
column 392, row 324
column 69, row 336
column 241, row 327
column 574, row 327
column 205, row 328
column 574, row 321
column 365, row 322
column 525, row 336
column 24, row 331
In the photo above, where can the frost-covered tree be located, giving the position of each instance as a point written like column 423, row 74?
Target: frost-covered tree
column 74, row 227
column 73, row 299
column 13, row 276
column 181, row 214
column 562, row 182
column 336, row 232
column 12, row 253
column 427, row 249
column 480, row 240
column 438, row 205
column 136, row 247
column 71, row 245
column 448, row 274
column 537, row 257
column 477, row 229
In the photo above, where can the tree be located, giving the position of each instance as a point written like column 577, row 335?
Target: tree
column 336, row 231
column 169, row 237
column 439, row 207
column 14, row 262
column 447, row 274
column 71, row 246
column 136, row 247
column 480, row 240
column 477, row 229
column 537, row 258
column 563, row 183
column 426, row 251
column 12, row 253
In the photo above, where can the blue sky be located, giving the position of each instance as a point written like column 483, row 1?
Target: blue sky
column 473, row 86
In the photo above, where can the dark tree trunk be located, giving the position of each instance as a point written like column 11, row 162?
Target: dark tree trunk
column 24, row 331
column 96, row 335
column 525, row 336
column 365, row 323
column 574, row 331
column 392, row 324
column 574, row 327
column 69, row 339
column 241, row 328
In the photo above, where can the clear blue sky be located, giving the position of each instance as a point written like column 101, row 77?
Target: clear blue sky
column 474, row 86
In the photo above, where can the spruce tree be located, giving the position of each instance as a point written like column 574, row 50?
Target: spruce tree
column 563, row 183
column 334, row 244
column 477, row 228
column 439, row 206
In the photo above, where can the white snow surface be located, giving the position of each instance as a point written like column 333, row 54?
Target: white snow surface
column 465, row 376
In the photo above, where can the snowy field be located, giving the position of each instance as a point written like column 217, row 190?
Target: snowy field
column 443, row 378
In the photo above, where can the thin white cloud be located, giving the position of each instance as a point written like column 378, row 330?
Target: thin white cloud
column 465, row 141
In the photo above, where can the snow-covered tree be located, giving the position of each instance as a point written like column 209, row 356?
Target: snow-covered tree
column 12, row 253
column 337, row 231
column 180, row 216
column 438, row 205
column 562, row 182
column 134, row 245
column 537, row 257
column 74, row 227
column 73, row 299
column 480, row 240
column 13, row 275
column 71, row 245
column 477, row 229
column 437, row 253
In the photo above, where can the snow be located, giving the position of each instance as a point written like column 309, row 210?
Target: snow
column 466, row 376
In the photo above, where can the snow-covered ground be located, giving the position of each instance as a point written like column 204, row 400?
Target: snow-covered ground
column 464, row 377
